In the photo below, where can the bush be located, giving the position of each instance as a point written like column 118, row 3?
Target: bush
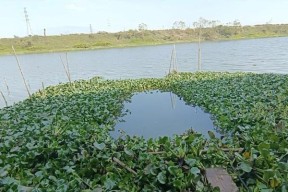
column 81, row 46
column 101, row 44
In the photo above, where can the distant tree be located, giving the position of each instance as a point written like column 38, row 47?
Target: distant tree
column 179, row 25
column 237, row 27
column 199, row 27
column 236, row 23
column 201, row 23
column 214, row 23
column 142, row 27
column 224, row 31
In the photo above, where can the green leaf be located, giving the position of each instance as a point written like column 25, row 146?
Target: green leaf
column 3, row 173
column 190, row 162
column 245, row 167
column 173, row 170
column 68, row 169
column 161, row 177
column 177, row 184
column 39, row 174
column 199, row 186
column 99, row 146
column 53, row 178
column 109, row 184
column 195, row 171
column 216, row 189
column 268, row 174
column 149, row 169
column 128, row 152
column 22, row 188
column 264, row 149
column 284, row 188
column 211, row 135
column 8, row 181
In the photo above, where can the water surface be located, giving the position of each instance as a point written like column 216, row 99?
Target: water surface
column 153, row 114
column 269, row 55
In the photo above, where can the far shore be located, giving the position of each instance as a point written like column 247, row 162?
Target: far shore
column 136, row 38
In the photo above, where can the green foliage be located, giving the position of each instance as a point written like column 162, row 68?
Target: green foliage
column 82, row 46
column 58, row 140
column 101, row 44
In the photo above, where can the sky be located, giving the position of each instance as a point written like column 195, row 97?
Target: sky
column 76, row 16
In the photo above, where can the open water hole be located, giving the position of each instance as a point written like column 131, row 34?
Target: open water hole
column 153, row 114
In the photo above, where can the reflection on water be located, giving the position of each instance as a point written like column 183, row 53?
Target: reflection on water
column 155, row 114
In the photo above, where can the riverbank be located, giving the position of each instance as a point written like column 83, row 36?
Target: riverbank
column 103, row 40
column 59, row 138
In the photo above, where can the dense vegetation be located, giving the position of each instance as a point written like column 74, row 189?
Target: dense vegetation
column 58, row 140
column 139, row 37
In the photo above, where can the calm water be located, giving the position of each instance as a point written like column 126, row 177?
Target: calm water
column 258, row 55
column 155, row 114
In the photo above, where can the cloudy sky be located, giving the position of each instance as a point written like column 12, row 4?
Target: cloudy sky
column 75, row 16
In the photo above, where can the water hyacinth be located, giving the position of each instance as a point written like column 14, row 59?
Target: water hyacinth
column 58, row 140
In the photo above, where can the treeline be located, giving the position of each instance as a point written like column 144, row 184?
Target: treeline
column 207, row 31
column 219, row 32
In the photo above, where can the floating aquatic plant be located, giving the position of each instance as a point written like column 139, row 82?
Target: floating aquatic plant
column 58, row 140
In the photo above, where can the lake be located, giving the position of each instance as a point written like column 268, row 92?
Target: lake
column 269, row 55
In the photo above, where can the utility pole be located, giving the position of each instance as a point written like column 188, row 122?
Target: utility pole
column 91, row 29
column 199, row 50
column 29, row 30
column 173, row 61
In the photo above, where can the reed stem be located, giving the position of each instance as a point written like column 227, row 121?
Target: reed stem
column 199, row 51
column 7, row 87
column 124, row 165
column 65, row 68
column 43, row 87
column 18, row 63
column 6, row 103
column 173, row 61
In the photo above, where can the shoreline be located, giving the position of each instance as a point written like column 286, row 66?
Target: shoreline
column 131, row 45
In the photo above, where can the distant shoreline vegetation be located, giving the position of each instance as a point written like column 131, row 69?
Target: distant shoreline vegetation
column 203, row 29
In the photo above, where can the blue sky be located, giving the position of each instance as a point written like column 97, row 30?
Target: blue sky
column 75, row 16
